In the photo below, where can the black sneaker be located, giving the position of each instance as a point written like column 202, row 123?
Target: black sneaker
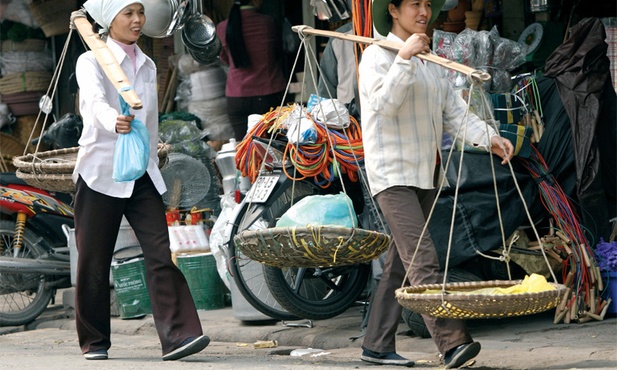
column 387, row 358
column 188, row 347
column 458, row 356
column 99, row 354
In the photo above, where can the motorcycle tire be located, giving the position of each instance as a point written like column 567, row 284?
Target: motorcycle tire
column 318, row 294
column 23, row 296
column 248, row 274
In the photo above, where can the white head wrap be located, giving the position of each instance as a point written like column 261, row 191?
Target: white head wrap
column 104, row 11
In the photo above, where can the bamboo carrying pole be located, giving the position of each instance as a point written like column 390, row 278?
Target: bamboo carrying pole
column 480, row 76
column 106, row 59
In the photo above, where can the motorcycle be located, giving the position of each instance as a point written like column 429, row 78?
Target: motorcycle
column 34, row 256
column 293, row 293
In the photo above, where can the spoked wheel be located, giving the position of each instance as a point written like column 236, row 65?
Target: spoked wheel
column 248, row 274
column 317, row 294
column 23, row 296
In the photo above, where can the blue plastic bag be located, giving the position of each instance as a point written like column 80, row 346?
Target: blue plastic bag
column 132, row 151
column 321, row 210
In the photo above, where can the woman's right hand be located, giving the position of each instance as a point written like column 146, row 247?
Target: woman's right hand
column 123, row 124
column 415, row 44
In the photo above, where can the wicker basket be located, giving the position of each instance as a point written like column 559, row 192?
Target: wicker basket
column 457, row 304
column 312, row 246
column 59, row 161
column 54, row 16
column 61, row 182
column 25, row 45
column 52, row 170
column 25, row 81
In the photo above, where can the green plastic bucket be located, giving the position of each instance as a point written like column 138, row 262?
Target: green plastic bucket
column 131, row 289
column 205, row 284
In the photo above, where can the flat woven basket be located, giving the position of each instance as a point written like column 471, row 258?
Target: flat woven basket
column 460, row 303
column 58, row 161
column 312, row 246
column 52, row 170
column 61, row 182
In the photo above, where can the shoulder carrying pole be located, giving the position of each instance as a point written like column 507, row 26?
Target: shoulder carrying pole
column 472, row 73
column 106, row 59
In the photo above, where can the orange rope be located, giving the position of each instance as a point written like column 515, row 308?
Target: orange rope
column 333, row 150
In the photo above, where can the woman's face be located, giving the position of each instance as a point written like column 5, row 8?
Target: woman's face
column 410, row 17
column 126, row 27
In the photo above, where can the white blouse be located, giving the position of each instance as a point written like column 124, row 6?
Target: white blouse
column 99, row 105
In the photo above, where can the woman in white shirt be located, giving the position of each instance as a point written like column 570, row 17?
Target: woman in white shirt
column 100, row 202
column 406, row 104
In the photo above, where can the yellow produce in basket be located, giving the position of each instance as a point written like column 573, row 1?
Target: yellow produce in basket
column 531, row 284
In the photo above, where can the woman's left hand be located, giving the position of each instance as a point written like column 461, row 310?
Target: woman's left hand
column 502, row 147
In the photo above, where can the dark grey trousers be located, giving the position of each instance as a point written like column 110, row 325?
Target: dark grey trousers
column 405, row 210
column 97, row 222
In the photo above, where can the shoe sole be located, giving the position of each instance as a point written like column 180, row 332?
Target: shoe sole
column 465, row 355
column 383, row 361
column 195, row 346
column 95, row 356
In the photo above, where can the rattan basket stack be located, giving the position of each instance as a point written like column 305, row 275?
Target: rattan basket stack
column 50, row 170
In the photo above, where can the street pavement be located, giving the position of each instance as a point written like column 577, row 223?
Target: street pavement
column 526, row 342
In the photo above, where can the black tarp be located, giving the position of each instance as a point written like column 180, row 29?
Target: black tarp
column 580, row 67
column 579, row 146
column 477, row 226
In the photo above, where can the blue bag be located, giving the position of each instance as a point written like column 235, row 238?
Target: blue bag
column 316, row 210
column 132, row 151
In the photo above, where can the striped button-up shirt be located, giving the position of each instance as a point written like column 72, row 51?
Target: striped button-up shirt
column 406, row 106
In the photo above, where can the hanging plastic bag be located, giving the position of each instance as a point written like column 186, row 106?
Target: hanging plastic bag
column 132, row 151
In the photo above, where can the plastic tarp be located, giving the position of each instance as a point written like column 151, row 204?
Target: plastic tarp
column 477, row 225
column 581, row 69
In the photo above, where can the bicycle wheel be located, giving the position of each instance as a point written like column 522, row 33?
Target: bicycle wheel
column 248, row 274
column 23, row 296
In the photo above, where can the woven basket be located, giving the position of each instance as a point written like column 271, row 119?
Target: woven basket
column 455, row 304
column 312, row 246
column 63, row 160
column 26, row 81
column 59, row 161
column 10, row 146
column 61, row 182
column 54, row 16
column 25, row 45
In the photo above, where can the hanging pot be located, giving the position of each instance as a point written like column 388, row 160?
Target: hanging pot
column 207, row 54
column 164, row 17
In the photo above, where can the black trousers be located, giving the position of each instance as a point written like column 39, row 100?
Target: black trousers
column 238, row 110
column 97, row 223
column 405, row 210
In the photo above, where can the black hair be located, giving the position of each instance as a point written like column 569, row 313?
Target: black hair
column 235, row 37
column 396, row 3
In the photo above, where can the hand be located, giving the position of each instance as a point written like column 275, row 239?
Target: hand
column 415, row 44
column 503, row 148
column 123, row 124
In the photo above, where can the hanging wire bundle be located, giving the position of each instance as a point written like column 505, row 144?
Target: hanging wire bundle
column 334, row 150
column 581, row 300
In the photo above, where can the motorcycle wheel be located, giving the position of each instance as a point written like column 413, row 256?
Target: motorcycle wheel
column 23, row 296
column 248, row 274
column 317, row 294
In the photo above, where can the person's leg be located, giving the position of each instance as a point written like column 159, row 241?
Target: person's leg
column 97, row 221
column 173, row 308
column 447, row 333
column 238, row 110
column 404, row 210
